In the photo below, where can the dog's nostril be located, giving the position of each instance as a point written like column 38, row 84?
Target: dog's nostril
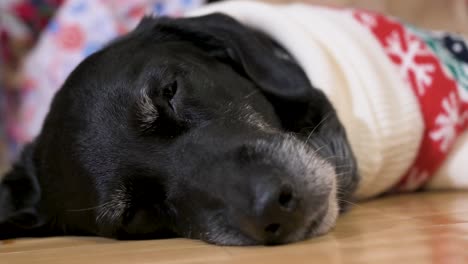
column 273, row 229
column 286, row 197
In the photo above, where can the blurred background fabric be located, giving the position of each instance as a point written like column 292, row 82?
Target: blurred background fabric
column 41, row 41
column 21, row 22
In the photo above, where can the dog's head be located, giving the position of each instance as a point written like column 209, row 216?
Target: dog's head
column 194, row 127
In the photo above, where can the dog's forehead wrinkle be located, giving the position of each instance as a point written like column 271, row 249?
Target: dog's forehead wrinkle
column 254, row 117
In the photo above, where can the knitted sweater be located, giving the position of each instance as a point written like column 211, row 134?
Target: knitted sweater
column 401, row 93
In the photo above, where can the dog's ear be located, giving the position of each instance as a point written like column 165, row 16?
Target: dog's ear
column 19, row 197
column 248, row 50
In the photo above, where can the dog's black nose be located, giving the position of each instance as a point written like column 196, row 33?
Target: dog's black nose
column 276, row 213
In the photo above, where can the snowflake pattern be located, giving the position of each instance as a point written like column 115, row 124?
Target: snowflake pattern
column 444, row 108
column 367, row 19
column 448, row 121
column 414, row 48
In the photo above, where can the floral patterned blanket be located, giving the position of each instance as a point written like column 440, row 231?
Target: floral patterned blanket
column 61, row 34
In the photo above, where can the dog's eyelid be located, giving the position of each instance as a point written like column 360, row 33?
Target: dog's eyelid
column 170, row 90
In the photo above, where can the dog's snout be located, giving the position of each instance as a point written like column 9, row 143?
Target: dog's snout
column 276, row 213
column 276, row 199
column 286, row 197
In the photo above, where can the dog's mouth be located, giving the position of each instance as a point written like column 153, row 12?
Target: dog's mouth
column 319, row 223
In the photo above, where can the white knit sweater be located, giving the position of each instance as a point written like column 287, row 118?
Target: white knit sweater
column 376, row 105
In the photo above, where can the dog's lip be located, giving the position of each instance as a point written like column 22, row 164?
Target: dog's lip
column 316, row 221
column 301, row 233
column 240, row 240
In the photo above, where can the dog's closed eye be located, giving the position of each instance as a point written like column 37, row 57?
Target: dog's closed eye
column 170, row 91
column 157, row 108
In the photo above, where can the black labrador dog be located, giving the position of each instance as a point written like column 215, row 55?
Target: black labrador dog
column 193, row 127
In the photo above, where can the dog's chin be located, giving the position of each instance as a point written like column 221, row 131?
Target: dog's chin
column 320, row 223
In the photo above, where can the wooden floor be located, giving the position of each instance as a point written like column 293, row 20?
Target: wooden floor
column 418, row 228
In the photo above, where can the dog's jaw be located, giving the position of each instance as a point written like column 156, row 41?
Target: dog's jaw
column 329, row 221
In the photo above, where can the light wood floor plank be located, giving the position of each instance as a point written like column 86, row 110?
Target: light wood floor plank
column 417, row 228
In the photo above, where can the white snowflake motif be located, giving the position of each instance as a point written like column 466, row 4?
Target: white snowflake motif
column 422, row 71
column 415, row 179
column 448, row 121
column 366, row 19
